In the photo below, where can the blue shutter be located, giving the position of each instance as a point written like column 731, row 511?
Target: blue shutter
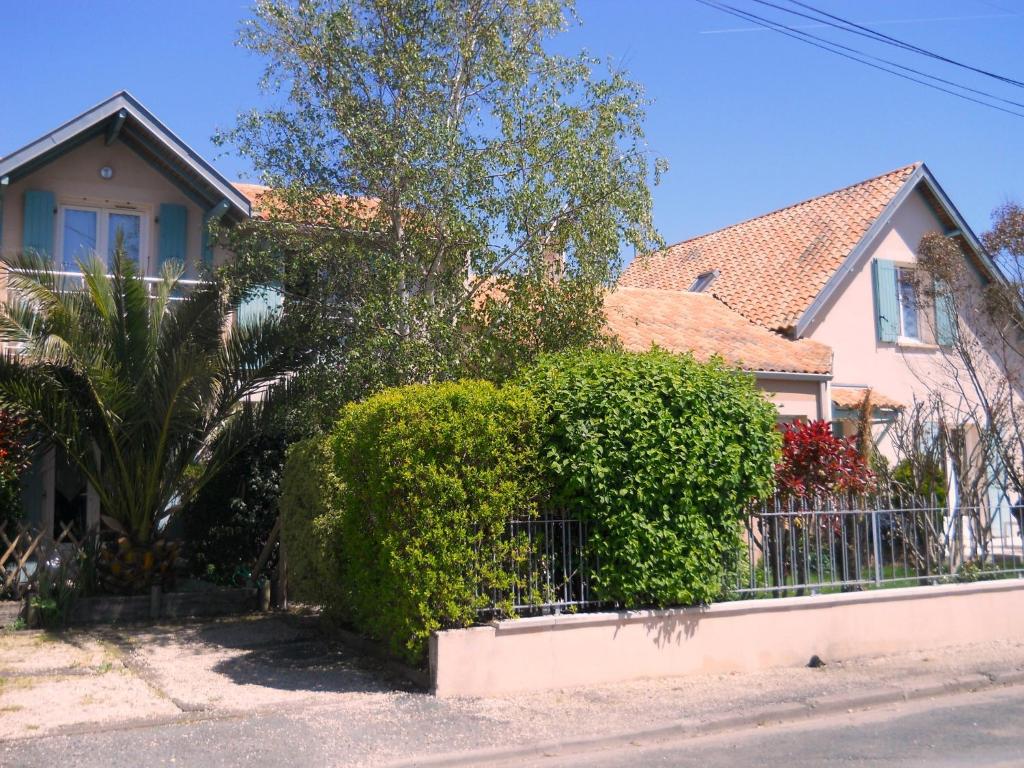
column 887, row 300
column 38, row 230
column 260, row 304
column 173, row 242
column 945, row 315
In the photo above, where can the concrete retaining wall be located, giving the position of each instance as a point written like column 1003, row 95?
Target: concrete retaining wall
column 586, row 649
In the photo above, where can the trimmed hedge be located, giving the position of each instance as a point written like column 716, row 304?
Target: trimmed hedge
column 309, row 522
column 661, row 454
column 411, row 509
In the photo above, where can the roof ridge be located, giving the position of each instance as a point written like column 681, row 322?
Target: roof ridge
column 911, row 168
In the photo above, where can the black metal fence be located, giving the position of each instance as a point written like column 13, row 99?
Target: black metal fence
column 793, row 547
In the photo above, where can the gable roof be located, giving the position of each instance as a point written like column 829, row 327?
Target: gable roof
column 773, row 267
column 122, row 117
column 696, row 322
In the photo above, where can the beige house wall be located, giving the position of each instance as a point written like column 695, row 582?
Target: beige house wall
column 795, row 398
column 74, row 179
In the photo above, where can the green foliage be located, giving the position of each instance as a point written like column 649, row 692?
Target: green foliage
column 442, row 149
column 429, row 477
column 310, row 519
column 924, row 477
column 226, row 525
column 148, row 396
column 61, row 580
column 662, row 455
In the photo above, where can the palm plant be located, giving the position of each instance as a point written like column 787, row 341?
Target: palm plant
column 149, row 395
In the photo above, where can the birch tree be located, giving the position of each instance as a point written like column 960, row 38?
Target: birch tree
column 433, row 161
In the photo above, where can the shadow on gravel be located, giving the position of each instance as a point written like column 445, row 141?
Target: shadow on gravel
column 315, row 665
column 285, row 652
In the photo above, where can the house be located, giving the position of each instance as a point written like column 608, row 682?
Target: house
column 115, row 167
column 834, row 278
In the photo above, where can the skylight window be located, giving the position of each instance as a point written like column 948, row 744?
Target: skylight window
column 703, row 281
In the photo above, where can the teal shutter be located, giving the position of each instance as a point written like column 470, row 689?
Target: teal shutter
column 173, row 242
column 887, row 300
column 945, row 315
column 38, row 231
column 260, row 304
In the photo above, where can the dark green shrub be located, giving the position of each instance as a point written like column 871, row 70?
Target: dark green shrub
column 227, row 524
column 429, row 477
column 661, row 454
column 309, row 520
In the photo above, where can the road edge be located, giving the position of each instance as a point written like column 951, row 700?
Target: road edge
column 781, row 714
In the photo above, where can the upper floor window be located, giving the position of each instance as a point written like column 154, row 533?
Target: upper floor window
column 86, row 230
column 910, row 327
column 703, row 281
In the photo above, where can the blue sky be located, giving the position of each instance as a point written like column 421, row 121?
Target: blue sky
column 749, row 120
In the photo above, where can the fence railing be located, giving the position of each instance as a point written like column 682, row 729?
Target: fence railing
column 791, row 547
column 800, row 546
column 554, row 570
column 23, row 548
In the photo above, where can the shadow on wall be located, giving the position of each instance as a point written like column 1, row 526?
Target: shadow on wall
column 671, row 629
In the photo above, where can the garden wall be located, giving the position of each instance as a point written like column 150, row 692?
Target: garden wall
column 586, row 649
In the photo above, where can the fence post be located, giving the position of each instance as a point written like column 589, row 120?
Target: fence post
column 876, row 542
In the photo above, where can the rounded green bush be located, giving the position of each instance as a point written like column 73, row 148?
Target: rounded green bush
column 662, row 455
column 429, row 477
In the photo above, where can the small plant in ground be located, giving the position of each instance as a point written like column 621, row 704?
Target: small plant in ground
column 58, row 586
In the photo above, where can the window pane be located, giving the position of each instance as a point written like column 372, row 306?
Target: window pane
column 79, row 237
column 130, row 226
column 908, row 305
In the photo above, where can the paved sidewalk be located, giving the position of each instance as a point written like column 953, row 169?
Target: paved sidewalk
column 271, row 691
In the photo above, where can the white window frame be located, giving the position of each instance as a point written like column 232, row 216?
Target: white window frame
column 902, row 336
column 102, row 228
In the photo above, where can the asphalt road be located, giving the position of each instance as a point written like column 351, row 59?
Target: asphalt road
column 973, row 729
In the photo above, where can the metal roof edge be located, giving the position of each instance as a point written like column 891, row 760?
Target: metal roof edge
column 95, row 115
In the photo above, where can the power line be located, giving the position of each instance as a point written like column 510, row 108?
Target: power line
column 852, row 26
column 831, row 47
column 890, row 62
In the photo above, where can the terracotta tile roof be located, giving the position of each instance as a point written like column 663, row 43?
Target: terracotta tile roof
column 851, row 398
column 254, row 193
column 263, row 202
column 696, row 322
column 772, row 267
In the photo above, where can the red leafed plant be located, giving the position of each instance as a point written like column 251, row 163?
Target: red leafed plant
column 15, row 454
column 816, row 463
